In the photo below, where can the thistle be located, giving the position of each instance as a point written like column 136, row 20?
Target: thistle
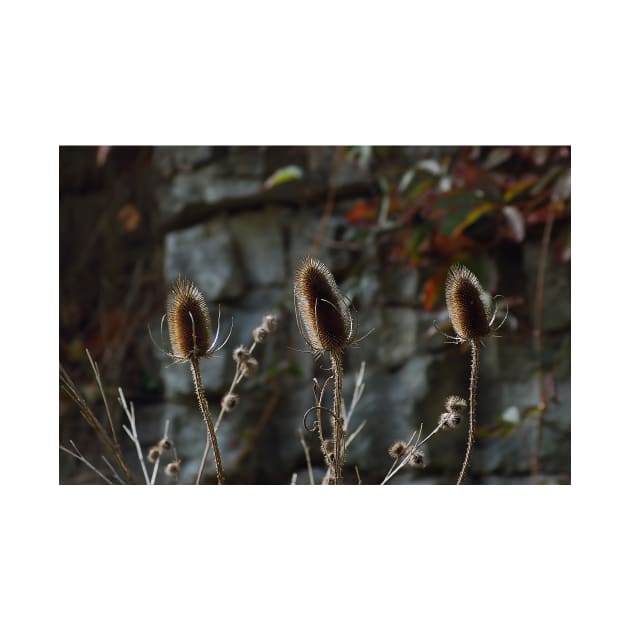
column 324, row 320
column 470, row 316
column 190, row 332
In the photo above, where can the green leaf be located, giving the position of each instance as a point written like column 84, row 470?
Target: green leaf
column 282, row 176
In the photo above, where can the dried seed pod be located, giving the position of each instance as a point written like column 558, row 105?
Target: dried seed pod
column 172, row 468
column 455, row 404
column 259, row 334
column 270, row 323
column 188, row 320
column 154, row 454
column 417, row 459
column 449, row 420
column 322, row 313
column 229, row 401
column 467, row 304
column 241, row 354
column 249, row 367
column 165, row 444
column 397, row 449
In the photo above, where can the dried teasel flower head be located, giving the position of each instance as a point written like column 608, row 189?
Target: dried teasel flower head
column 249, row 367
column 188, row 320
column 259, row 334
column 165, row 444
column 467, row 304
column 449, row 420
column 397, row 449
column 172, row 468
column 417, row 459
column 322, row 313
column 270, row 323
column 455, row 404
column 229, row 401
column 154, row 454
column 241, row 354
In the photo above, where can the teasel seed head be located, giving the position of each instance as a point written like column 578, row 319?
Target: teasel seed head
column 165, row 444
column 154, row 454
column 188, row 320
column 467, row 304
column 172, row 468
column 229, row 402
column 455, row 404
column 449, row 420
column 417, row 459
column 270, row 323
column 249, row 367
column 322, row 313
column 259, row 334
column 397, row 449
column 241, row 354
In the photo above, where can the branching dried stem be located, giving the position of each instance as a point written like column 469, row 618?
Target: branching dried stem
column 238, row 377
column 205, row 412
column 472, row 407
column 132, row 433
column 78, row 455
column 94, row 423
column 157, row 461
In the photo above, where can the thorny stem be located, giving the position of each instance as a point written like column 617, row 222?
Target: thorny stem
column 238, row 377
column 472, row 406
column 336, row 357
column 538, row 314
column 205, row 412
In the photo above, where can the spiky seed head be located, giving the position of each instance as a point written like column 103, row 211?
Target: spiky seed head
column 467, row 304
column 188, row 320
column 259, row 334
column 455, row 404
column 249, row 367
column 229, row 401
column 449, row 420
column 154, row 454
column 397, row 449
column 321, row 310
column 270, row 323
column 165, row 444
column 172, row 468
column 241, row 354
column 417, row 459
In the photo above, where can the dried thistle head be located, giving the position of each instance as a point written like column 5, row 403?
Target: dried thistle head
column 241, row 354
column 229, row 401
column 455, row 404
column 270, row 323
column 467, row 304
column 397, row 449
column 249, row 367
column 188, row 320
column 172, row 468
column 449, row 420
column 259, row 334
column 417, row 459
column 154, row 454
column 322, row 313
column 165, row 444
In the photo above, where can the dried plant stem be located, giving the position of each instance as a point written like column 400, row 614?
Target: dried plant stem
column 133, row 433
column 537, row 334
column 157, row 461
column 205, row 412
column 472, row 406
column 336, row 357
column 307, row 455
column 78, row 455
column 97, row 375
column 93, row 422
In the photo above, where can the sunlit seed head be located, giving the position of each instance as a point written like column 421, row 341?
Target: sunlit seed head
column 188, row 320
column 467, row 305
column 322, row 312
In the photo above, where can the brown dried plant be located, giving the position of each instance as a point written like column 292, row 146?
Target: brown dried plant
column 325, row 322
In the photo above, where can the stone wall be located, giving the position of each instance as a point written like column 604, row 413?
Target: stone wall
column 240, row 244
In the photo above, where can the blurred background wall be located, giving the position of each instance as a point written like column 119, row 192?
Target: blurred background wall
column 388, row 221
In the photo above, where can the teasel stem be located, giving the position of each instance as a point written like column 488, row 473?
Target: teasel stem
column 472, row 406
column 205, row 412
column 336, row 358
